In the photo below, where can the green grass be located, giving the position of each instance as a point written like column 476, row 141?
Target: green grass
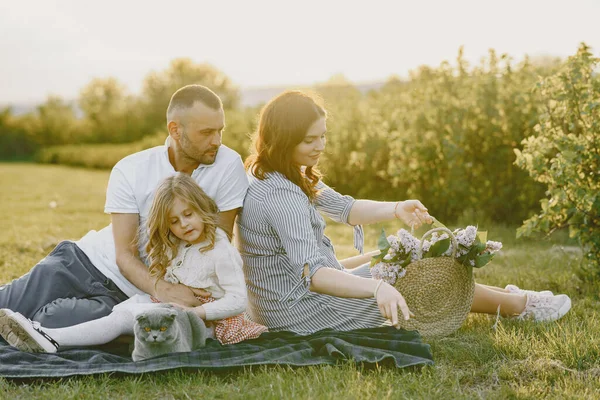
column 516, row 360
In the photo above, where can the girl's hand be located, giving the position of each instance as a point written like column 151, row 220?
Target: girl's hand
column 413, row 213
column 389, row 300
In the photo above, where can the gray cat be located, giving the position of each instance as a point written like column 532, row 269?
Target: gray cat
column 166, row 329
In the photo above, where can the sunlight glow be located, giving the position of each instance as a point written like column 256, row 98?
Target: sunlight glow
column 57, row 47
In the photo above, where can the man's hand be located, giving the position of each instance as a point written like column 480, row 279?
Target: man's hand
column 177, row 293
column 125, row 227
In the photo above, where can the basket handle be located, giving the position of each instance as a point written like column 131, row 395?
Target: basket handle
column 441, row 229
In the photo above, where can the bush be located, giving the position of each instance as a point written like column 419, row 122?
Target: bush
column 564, row 154
column 158, row 87
column 445, row 137
column 100, row 156
column 110, row 114
column 15, row 141
column 240, row 124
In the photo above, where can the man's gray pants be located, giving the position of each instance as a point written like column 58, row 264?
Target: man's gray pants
column 63, row 289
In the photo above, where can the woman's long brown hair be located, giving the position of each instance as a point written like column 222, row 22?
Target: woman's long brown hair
column 283, row 124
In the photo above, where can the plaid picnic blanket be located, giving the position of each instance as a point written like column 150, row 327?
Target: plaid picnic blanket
column 384, row 345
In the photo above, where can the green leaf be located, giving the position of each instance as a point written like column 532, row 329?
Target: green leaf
column 574, row 231
column 406, row 261
column 377, row 259
column 383, row 243
column 439, row 247
column 475, row 250
column 479, row 247
column 576, row 219
column 483, row 259
column 482, row 235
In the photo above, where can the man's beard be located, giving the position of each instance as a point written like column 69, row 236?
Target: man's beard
column 203, row 158
column 206, row 159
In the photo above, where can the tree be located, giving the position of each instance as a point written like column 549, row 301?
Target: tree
column 564, row 154
column 338, row 89
column 158, row 87
column 15, row 141
column 110, row 113
column 54, row 122
column 101, row 98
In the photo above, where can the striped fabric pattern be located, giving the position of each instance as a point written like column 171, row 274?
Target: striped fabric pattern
column 280, row 231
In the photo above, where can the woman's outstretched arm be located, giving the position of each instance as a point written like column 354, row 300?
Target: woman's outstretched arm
column 412, row 212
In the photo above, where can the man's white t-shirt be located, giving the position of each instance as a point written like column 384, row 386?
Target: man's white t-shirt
column 131, row 188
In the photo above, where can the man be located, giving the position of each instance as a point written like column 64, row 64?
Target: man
column 83, row 280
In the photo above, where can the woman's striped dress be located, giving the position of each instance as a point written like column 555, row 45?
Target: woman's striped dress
column 279, row 232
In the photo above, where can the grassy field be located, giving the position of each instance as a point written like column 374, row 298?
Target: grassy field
column 41, row 205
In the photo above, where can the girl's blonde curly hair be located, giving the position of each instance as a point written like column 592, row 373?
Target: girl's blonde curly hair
column 162, row 244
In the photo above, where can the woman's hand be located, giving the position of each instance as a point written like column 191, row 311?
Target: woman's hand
column 413, row 213
column 389, row 300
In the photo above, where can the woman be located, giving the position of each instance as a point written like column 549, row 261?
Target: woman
column 294, row 280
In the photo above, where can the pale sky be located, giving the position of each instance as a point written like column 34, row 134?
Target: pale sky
column 57, row 47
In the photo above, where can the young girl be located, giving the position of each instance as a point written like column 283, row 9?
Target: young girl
column 185, row 246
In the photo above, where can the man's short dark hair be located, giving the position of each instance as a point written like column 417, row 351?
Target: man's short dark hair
column 188, row 95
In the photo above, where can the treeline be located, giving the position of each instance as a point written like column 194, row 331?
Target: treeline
column 446, row 135
column 105, row 112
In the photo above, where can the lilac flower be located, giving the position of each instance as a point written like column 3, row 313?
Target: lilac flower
column 404, row 243
column 376, row 271
column 492, row 247
column 388, row 272
column 401, row 273
column 394, row 243
column 466, row 236
column 426, row 245
column 408, row 242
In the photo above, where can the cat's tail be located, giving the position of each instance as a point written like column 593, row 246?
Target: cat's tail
column 199, row 330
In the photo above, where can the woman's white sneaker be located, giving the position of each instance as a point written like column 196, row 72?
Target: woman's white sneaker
column 545, row 308
column 517, row 290
column 24, row 334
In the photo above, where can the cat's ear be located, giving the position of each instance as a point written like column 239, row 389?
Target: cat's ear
column 172, row 314
column 141, row 317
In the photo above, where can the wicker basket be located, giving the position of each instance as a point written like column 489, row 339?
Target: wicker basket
column 438, row 291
